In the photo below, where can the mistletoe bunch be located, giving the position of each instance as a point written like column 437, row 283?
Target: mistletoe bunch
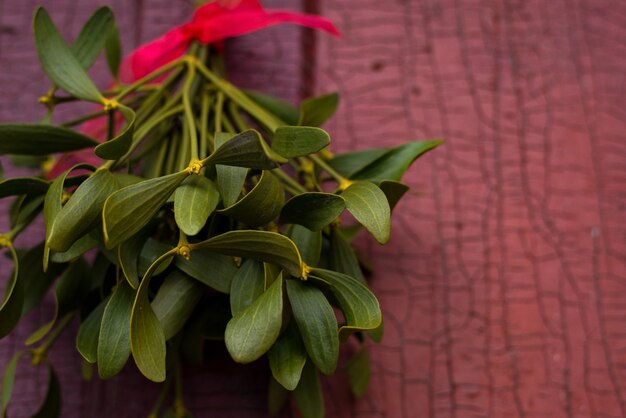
column 205, row 213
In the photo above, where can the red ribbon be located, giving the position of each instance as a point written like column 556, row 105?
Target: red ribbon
column 213, row 22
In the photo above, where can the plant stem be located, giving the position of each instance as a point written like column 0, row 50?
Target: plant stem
column 155, row 74
column 289, row 181
column 189, row 119
column 343, row 182
column 39, row 353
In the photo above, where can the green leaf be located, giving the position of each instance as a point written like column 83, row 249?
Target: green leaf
column 80, row 247
column 230, row 180
column 277, row 397
column 308, row 394
column 265, row 246
column 39, row 139
column 358, row 304
column 51, row 406
column 29, row 208
column 377, row 334
column 214, row 270
column 253, row 331
column 285, row 111
column 13, row 300
column 393, row 164
column 91, row 38
column 313, row 210
column 349, row 163
column 35, row 281
column 309, row 243
column 248, row 284
column 113, row 50
column 368, row 204
column 195, row 199
column 59, row 62
column 287, row 357
column 393, row 190
column 261, row 205
column 129, row 209
column 150, row 252
column 82, row 211
column 248, row 149
column 114, row 339
column 8, row 379
column 128, row 255
column 317, row 324
column 342, row 257
column 175, row 301
column 316, row 110
column 23, row 185
column 358, row 370
column 298, row 141
column 89, row 333
column 119, row 145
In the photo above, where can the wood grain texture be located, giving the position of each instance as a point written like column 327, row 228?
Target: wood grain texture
column 503, row 285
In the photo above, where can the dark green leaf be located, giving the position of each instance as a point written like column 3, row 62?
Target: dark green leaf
column 214, row 270
column 248, row 284
column 114, row 338
column 82, row 211
column 277, row 397
column 253, row 331
column 23, row 185
column 285, row 111
column 175, row 301
column 89, row 333
column 195, row 199
column 309, row 243
column 113, row 50
column 342, row 256
column 308, row 394
column 248, row 149
column 377, row 334
column 230, row 180
column 8, row 379
column 91, row 38
column 257, row 245
column 393, row 190
column 316, row 110
column 349, row 163
column 287, row 357
column 358, row 304
column 358, row 369
column 261, row 205
column 270, row 273
column 80, row 246
column 51, row 407
column 368, row 204
column 317, row 324
column 393, row 164
column 36, row 282
column 39, row 139
column 150, row 252
column 59, row 62
column 128, row 256
column 13, row 300
column 298, row 141
column 131, row 208
column 313, row 210
column 119, row 145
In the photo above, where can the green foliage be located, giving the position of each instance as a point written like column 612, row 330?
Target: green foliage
column 200, row 229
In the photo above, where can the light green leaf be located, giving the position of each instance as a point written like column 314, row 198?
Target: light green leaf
column 253, row 331
column 308, row 394
column 8, row 379
column 59, row 62
column 89, row 333
column 316, row 110
column 175, row 301
column 230, row 180
column 248, row 284
column 51, row 406
column 265, row 246
column 131, row 208
column 317, row 324
column 13, row 300
column 358, row 370
column 114, row 339
column 342, row 257
column 309, row 243
column 92, row 37
column 313, row 210
column 23, row 185
column 287, row 357
column 248, row 149
column 113, row 50
column 195, row 199
column 261, row 205
column 299, row 141
column 358, row 304
column 214, row 270
column 393, row 190
column 368, row 204
column 40, row 139
column 119, row 145
column 82, row 211
column 280, row 108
